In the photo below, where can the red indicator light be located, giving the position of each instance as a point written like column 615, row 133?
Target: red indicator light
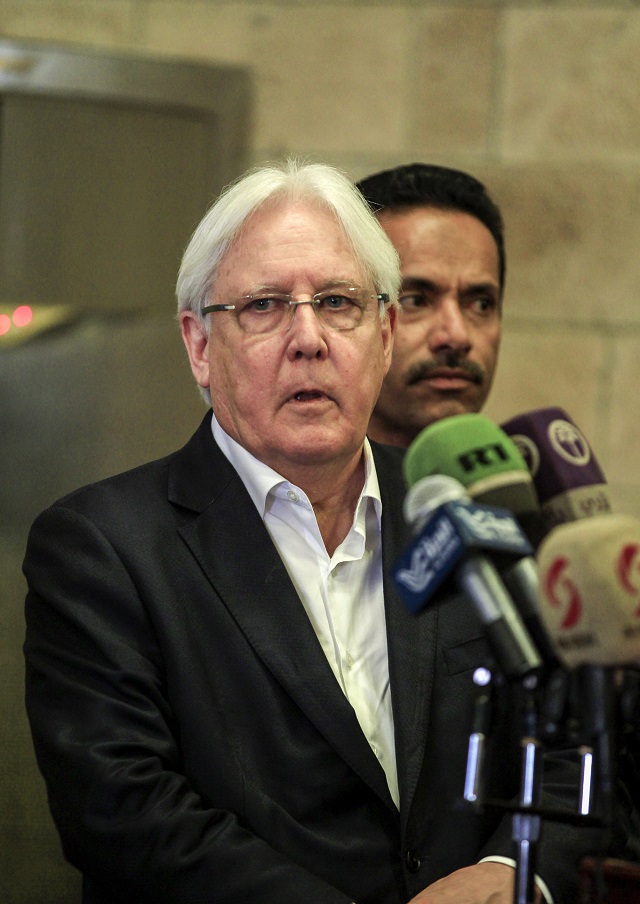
column 5, row 324
column 22, row 315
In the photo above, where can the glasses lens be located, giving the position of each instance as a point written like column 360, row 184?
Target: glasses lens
column 263, row 314
column 343, row 309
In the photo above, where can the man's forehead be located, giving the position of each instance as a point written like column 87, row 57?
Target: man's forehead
column 430, row 236
column 280, row 242
column 426, row 217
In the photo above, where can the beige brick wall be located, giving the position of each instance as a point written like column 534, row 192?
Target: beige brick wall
column 540, row 100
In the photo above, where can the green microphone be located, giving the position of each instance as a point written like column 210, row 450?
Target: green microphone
column 476, row 452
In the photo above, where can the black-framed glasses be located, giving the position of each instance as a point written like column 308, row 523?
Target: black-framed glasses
column 343, row 308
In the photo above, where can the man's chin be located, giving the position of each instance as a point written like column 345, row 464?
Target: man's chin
column 316, row 444
column 447, row 408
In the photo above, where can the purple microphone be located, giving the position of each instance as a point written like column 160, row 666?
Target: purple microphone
column 568, row 479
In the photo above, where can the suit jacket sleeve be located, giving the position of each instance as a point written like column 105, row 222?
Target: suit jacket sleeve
column 108, row 741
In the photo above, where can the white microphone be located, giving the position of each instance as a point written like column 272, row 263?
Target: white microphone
column 590, row 604
column 590, row 590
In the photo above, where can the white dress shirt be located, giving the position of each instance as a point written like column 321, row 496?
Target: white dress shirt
column 342, row 594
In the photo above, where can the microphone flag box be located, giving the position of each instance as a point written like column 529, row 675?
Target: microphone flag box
column 568, row 479
column 590, row 590
column 454, row 530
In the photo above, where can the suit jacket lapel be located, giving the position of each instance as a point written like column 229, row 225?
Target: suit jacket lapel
column 234, row 550
column 411, row 640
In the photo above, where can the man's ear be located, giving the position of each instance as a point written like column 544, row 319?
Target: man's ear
column 197, row 344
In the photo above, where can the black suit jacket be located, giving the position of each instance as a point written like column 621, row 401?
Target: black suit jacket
column 195, row 744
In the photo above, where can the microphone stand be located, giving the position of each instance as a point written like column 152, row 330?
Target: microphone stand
column 597, row 754
column 526, row 824
column 595, row 793
column 526, row 819
column 527, row 816
column 605, row 880
column 527, row 812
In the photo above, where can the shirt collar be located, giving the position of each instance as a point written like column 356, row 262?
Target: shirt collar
column 262, row 481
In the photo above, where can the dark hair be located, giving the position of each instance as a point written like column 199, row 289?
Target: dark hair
column 428, row 185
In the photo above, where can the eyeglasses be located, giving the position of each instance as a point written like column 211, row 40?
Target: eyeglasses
column 340, row 309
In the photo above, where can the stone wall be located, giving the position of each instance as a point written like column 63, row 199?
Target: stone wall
column 539, row 99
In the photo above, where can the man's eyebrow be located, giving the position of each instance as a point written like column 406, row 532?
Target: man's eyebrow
column 429, row 285
column 338, row 284
column 489, row 288
column 321, row 287
column 416, row 282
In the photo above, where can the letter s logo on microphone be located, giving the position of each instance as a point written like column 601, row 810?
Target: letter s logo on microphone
column 629, row 571
column 563, row 593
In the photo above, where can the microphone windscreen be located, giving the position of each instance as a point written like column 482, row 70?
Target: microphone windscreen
column 569, row 481
column 425, row 496
column 590, row 590
column 477, row 453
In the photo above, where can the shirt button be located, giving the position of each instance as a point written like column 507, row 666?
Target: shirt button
column 293, row 497
column 412, row 861
column 349, row 661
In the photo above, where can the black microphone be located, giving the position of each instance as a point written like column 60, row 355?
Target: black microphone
column 476, row 452
column 454, row 534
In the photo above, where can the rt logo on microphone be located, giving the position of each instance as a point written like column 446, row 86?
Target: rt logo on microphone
column 482, row 457
column 569, row 443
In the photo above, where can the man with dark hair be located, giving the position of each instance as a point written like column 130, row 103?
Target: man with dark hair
column 449, row 235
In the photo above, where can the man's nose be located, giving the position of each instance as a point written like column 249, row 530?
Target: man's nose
column 449, row 326
column 306, row 331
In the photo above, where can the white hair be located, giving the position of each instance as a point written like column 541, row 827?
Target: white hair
column 291, row 180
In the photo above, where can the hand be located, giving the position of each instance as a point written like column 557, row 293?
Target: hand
column 482, row 883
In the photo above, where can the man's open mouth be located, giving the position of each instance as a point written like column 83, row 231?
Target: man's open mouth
column 308, row 395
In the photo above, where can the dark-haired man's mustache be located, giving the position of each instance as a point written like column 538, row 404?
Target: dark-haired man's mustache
column 422, row 370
